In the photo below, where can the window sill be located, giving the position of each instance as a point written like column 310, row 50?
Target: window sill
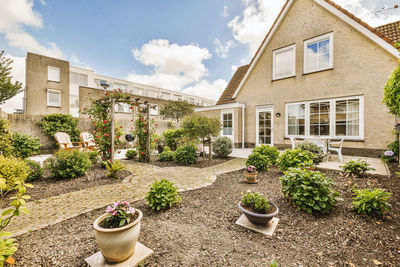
column 331, row 139
column 283, row 78
column 53, row 81
column 316, row 71
column 53, row 106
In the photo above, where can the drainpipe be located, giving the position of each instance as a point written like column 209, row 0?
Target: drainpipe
column 243, row 126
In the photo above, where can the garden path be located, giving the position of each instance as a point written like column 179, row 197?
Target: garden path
column 52, row 210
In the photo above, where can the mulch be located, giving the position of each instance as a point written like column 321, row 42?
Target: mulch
column 201, row 231
column 200, row 163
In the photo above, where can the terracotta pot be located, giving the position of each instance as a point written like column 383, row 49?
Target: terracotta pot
column 117, row 244
column 259, row 218
column 251, row 177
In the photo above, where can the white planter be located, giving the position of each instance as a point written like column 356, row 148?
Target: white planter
column 117, row 244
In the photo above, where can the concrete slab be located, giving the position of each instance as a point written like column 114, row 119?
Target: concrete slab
column 141, row 253
column 269, row 229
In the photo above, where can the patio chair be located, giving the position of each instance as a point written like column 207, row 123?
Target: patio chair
column 293, row 141
column 64, row 142
column 337, row 148
column 88, row 140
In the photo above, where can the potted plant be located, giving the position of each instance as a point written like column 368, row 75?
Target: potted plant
column 257, row 209
column 117, row 231
column 251, row 175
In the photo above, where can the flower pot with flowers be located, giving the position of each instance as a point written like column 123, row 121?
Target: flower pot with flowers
column 117, row 231
column 257, row 209
column 251, row 175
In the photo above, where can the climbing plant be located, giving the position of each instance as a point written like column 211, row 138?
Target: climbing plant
column 144, row 126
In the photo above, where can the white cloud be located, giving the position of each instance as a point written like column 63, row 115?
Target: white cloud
column 234, row 68
column 206, row 89
column 225, row 12
column 221, row 49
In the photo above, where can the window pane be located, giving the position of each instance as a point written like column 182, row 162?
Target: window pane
column 319, row 118
column 73, row 77
column 348, row 117
column 83, row 79
column 318, row 55
column 283, row 63
column 54, row 99
column 53, row 74
column 296, row 119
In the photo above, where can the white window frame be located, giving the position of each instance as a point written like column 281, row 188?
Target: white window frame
column 154, row 111
column 332, row 118
column 328, row 36
column 49, row 70
column 280, row 50
column 228, row 111
column 53, row 91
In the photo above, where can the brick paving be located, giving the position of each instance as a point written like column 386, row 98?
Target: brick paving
column 52, row 210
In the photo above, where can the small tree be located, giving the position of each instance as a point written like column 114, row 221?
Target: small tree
column 176, row 110
column 7, row 88
column 200, row 127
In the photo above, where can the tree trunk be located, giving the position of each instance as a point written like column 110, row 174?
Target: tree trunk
column 112, row 129
column 148, row 144
column 204, row 148
column 210, row 149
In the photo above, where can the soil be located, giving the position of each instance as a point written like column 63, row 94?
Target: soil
column 132, row 218
column 271, row 209
column 201, row 231
column 49, row 186
column 200, row 163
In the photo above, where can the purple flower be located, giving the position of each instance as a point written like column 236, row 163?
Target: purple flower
column 109, row 209
column 389, row 153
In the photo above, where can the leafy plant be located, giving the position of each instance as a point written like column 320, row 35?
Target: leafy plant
column 261, row 162
column 5, row 138
column 186, row 154
column 94, row 156
column 36, row 171
column 271, row 152
column 394, row 146
column 167, row 155
column 273, row 263
column 113, row 168
column 60, row 123
column 309, row 190
column 131, row 154
column 371, row 201
column 24, row 145
column 8, row 89
column 13, row 172
column 295, row 158
column 176, row 110
column 317, row 151
column 69, row 164
column 356, row 168
column 388, row 156
column 392, row 92
column 172, row 136
column 119, row 214
column 222, row 146
column 163, row 195
column 255, row 201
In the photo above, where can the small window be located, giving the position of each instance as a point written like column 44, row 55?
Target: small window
column 284, row 62
column 53, row 98
column 318, row 53
column 122, row 108
column 154, row 111
column 227, row 124
column 53, row 74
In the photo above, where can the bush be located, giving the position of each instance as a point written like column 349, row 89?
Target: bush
column 371, row 201
column 5, row 138
column 222, row 147
column 394, row 146
column 356, row 168
column 186, row 154
column 256, row 201
column 316, row 150
column 172, row 136
column 25, row 146
column 113, row 168
column 271, row 152
column 36, row 171
column 310, row 191
column 388, row 156
column 69, row 164
column 131, row 154
column 60, row 123
column 167, row 155
column 14, row 171
column 261, row 162
column 163, row 195
column 94, row 156
column 295, row 158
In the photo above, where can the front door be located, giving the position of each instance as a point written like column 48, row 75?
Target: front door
column 264, row 128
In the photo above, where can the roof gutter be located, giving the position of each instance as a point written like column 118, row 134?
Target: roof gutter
column 219, row 107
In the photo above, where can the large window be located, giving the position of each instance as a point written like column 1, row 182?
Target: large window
column 53, row 98
column 284, row 62
column 341, row 117
column 78, row 78
column 227, row 124
column 53, row 74
column 318, row 53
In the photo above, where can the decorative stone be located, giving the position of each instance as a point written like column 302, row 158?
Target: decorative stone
column 269, row 229
column 141, row 253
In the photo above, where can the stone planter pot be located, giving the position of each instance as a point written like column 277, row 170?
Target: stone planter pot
column 251, row 177
column 117, row 244
column 258, row 218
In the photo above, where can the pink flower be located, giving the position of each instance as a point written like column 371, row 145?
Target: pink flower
column 109, row 209
column 105, row 121
column 114, row 213
column 125, row 203
column 131, row 210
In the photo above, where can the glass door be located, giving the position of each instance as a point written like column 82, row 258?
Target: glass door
column 264, row 126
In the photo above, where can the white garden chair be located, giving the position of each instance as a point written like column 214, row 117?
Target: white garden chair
column 64, row 142
column 293, row 141
column 337, row 148
column 88, row 140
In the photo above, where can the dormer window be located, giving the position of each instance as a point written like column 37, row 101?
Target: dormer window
column 318, row 53
column 284, row 62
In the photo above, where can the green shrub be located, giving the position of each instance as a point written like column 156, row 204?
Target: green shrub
column 25, row 145
column 60, row 123
column 394, row 146
column 310, row 191
column 36, row 171
column 261, row 162
column 94, row 156
column 167, row 155
column 163, row 195
column 131, row 154
column 317, row 151
column 271, row 152
column 186, row 154
column 171, row 137
column 295, row 158
column 222, row 146
column 356, row 168
column 14, row 171
column 113, row 168
column 371, row 201
column 69, row 164
column 255, row 201
column 5, row 138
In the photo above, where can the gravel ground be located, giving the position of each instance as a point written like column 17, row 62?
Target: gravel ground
column 200, row 163
column 202, row 231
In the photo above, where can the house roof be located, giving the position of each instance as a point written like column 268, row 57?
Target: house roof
column 386, row 33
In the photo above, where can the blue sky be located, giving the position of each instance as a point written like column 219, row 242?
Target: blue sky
column 191, row 46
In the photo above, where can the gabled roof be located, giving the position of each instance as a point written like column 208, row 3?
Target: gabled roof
column 230, row 89
column 378, row 35
column 391, row 31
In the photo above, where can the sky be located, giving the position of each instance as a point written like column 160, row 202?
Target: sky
column 192, row 46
